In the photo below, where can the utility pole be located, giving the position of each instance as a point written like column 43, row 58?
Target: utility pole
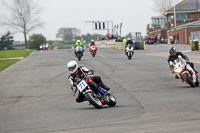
column 174, row 16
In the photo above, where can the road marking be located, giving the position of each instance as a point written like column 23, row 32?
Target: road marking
column 102, row 55
column 20, row 58
column 187, row 51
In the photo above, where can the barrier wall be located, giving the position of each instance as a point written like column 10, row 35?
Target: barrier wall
column 117, row 45
column 105, row 43
column 121, row 45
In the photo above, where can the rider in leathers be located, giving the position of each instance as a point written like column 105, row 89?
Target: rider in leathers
column 78, row 44
column 129, row 41
column 75, row 71
column 175, row 55
column 92, row 43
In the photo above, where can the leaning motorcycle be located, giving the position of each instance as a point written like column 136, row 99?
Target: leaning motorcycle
column 93, row 50
column 93, row 93
column 129, row 51
column 183, row 73
column 79, row 52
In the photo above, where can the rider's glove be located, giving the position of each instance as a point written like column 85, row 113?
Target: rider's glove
column 187, row 62
column 74, row 89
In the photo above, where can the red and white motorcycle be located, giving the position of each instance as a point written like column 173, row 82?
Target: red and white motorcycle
column 93, row 50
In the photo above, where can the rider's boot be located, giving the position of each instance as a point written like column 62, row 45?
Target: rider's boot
column 196, row 72
column 176, row 77
column 104, row 86
column 192, row 65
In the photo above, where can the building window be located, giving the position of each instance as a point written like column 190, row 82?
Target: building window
column 183, row 16
column 156, row 21
column 162, row 23
column 188, row 16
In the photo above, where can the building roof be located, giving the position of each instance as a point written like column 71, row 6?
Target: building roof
column 195, row 23
column 158, row 17
column 186, row 5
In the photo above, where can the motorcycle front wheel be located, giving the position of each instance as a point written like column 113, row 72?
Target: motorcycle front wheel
column 112, row 100
column 129, row 57
column 79, row 56
column 94, row 100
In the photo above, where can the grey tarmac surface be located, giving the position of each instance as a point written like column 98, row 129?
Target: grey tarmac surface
column 35, row 95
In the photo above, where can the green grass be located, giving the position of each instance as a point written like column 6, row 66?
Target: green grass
column 6, row 63
column 19, row 47
column 14, row 53
column 68, row 45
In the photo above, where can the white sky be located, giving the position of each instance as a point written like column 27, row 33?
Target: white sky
column 134, row 14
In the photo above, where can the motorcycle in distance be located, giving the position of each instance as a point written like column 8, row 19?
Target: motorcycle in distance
column 182, row 72
column 79, row 52
column 129, row 51
column 93, row 50
column 89, row 90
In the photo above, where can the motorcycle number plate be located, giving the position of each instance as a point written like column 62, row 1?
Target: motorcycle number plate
column 82, row 85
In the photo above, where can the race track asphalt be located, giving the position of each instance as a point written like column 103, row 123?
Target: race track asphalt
column 35, row 95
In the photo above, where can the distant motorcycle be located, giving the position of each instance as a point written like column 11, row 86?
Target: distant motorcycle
column 93, row 93
column 93, row 50
column 79, row 52
column 184, row 74
column 129, row 51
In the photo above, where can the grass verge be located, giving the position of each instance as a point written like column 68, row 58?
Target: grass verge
column 14, row 53
column 6, row 63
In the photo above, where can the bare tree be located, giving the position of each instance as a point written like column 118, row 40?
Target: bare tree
column 161, row 6
column 24, row 17
column 68, row 34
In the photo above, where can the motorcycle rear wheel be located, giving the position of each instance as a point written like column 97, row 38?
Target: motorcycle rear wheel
column 197, row 81
column 189, row 80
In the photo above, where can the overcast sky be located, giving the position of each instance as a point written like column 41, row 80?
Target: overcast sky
column 134, row 14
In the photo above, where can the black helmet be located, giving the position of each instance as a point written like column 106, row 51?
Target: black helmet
column 172, row 51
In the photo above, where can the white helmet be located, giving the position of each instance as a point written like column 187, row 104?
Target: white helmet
column 92, row 40
column 72, row 66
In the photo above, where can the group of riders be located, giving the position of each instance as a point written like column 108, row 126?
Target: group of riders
column 80, row 44
column 92, row 43
column 76, row 70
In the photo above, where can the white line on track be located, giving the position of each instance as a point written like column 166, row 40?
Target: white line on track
column 102, row 55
